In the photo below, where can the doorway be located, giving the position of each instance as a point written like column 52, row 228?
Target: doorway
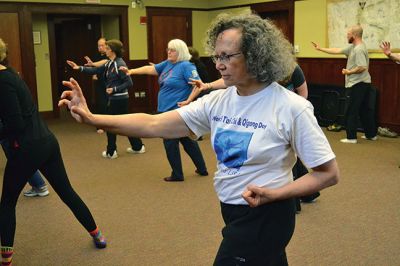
column 72, row 37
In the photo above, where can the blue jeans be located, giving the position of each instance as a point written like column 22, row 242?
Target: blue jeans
column 36, row 180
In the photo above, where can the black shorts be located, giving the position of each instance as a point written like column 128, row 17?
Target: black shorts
column 256, row 236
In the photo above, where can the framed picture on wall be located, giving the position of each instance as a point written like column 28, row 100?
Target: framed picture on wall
column 37, row 38
column 379, row 19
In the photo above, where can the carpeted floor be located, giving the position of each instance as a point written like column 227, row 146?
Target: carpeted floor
column 150, row 222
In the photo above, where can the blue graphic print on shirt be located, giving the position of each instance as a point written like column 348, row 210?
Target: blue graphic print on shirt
column 231, row 147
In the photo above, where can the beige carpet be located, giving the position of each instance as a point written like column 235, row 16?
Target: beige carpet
column 150, row 222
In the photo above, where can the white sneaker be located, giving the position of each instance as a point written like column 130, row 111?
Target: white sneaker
column 373, row 138
column 108, row 156
column 352, row 141
column 33, row 192
column 130, row 150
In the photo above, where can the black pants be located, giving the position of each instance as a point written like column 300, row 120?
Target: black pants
column 120, row 107
column 256, row 236
column 21, row 164
column 359, row 106
column 191, row 147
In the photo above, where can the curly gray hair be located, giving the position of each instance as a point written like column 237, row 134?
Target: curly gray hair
column 269, row 55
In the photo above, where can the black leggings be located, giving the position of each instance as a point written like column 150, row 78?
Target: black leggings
column 22, row 163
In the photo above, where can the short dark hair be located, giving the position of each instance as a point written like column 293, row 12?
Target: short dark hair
column 116, row 46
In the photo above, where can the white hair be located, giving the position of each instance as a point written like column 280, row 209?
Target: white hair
column 181, row 48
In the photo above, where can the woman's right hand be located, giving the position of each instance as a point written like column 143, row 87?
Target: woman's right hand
column 76, row 102
column 72, row 64
column 198, row 84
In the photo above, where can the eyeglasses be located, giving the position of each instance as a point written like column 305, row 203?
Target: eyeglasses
column 170, row 50
column 224, row 58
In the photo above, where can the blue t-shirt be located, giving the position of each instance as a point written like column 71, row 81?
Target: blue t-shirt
column 173, row 80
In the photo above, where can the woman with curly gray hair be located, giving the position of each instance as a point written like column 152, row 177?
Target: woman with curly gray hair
column 257, row 128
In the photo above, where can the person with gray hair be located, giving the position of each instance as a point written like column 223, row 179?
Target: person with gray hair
column 257, row 127
column 358, row 84
column 173, row 77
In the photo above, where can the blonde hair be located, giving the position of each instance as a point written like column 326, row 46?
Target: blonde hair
column 3, row 50
column 181, row 48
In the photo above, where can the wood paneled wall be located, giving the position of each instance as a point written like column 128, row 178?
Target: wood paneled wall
column 141, row 84
column 385, row 77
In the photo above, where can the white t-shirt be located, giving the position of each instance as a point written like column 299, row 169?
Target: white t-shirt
column 256, row 137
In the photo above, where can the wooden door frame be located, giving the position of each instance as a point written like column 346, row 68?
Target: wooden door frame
column 74, row 9
column 275, row 7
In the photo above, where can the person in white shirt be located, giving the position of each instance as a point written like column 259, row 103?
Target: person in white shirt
column 257, row 127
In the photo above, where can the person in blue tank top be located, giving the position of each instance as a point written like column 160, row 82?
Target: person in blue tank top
column 173, row 77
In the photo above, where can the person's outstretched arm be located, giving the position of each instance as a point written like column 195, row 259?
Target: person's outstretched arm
column 385, row 46
column 199, row 86
column 166, row 125
column 144, row 70
column 90, row 63
column 327, row 50
column 321, row 177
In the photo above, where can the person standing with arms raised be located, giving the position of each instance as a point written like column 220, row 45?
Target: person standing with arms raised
column 117, row 86
column 173, row 77
column 358, row 82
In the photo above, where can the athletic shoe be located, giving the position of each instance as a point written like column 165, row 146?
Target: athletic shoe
column 100, row 242
column 205, row 173
column 373, row 138
column 105, row 154
column 384, row 131
column 172, row 179
column 352, row 141
column 130, row 150
column 37, row 192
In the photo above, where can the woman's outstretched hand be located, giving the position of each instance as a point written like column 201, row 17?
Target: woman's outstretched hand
column 76, row 102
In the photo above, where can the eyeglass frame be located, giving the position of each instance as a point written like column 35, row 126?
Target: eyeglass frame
column 225, row 58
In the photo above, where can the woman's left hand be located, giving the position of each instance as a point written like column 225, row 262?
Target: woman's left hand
column 76, row 102
column 256, row 196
